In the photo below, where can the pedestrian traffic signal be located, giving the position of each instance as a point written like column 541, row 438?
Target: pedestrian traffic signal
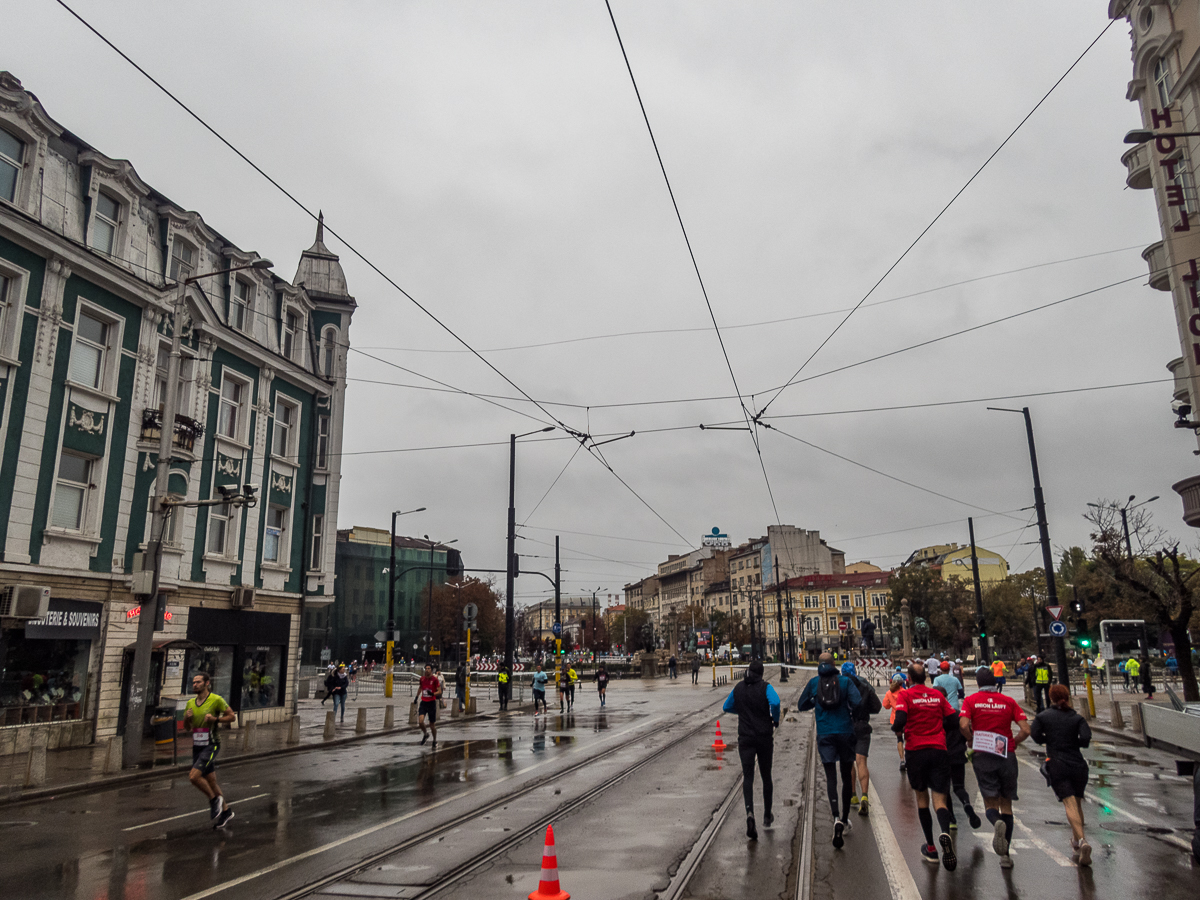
column 1085, row 642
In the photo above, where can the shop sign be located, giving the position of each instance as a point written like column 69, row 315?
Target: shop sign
column 67, row 619
column 137, row 611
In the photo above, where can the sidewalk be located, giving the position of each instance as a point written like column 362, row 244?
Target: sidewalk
column 82, row 768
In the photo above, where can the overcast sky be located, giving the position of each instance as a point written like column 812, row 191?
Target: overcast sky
column 492, row 159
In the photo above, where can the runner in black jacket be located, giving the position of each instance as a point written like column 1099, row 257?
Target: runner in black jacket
column 757, row 708
column 1065, row 732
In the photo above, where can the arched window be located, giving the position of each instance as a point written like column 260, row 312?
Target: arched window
column 1162, row 81
column 329, row 341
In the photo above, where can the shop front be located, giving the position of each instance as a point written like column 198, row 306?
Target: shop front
column 244, row 653
column 44, row 669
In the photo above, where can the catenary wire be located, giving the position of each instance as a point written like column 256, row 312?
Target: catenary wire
column 942, row 212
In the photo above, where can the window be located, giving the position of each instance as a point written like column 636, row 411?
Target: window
column 161, row 364
column 846, row 601
column 91, row 346
column 229, row 419
column 12, row 153
column 241, row 304
column 287, row 341
column 104, row 223
column 314, row 559
column 273, row 541
column 329, row 352
column 1187, row 187
column 285, row 421
column 832, row 624
column 171, row 526
column 220, row 528
column 5, row 285
column 183, row 261
column 1162, row 81
column 831, row 600
column 70, row 492
column 860, row 600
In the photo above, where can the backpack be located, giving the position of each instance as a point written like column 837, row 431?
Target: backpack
column 870, row 700
column 829, row 691
column 329, row 682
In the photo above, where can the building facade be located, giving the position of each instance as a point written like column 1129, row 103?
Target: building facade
column 94, row 269
column 831, row 610
column 1166, row 86
column 953, row 561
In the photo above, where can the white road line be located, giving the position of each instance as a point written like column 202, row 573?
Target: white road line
column 359, row 835
column 1137, row 820
column 1042, row 845
column 899, row 876
column 192, row 813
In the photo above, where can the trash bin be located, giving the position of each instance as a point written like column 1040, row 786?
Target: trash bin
column 163, row 725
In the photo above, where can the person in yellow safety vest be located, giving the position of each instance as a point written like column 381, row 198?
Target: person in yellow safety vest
column 1043, row 677
column 1133, row 669
column 502, row 688
column 572, row 677
column 999, row 671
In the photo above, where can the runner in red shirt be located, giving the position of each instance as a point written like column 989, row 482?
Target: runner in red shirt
column 428, row 693
column 987, row 720
column 922, row 716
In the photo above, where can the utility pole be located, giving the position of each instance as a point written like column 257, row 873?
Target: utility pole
column 1039, row 502
column 980, row 621
column 511, row 565
column 783, row 672
column 557, row 604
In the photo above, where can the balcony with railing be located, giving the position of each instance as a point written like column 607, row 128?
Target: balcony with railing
column 1156, row 258
column 1137, row 165
column 186, row 429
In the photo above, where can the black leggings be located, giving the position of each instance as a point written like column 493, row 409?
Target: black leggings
column 764, row 751
column 958, row 781
column 831, row 768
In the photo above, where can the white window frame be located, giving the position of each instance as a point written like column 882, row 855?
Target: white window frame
column 323, row 436
column 241, row 419
column 285, row 424
column 289, row 335
column 12, row 306
column 112, row 223
column 110, row 352
column 329, row 348
column 85, row 489
column 227, row 515
column 242, row 297
column 17, row 164
column 276, row 535
column 173, row 536
column 1163, row 80
column 160, row 379
column 1185, row 181
column 316, row 560
column 179, row 269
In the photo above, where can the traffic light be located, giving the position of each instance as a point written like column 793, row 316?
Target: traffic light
column 1085, row 642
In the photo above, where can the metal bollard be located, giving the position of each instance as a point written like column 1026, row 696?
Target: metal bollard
column 360, row 727
column 389, row 717
column 112, row 756
column 1118, row 720
column 294, row 730
column 249, row 736
column 329, row 725
column 1135, row 717
column 412, row 713
column 471, row 707
column 35, row 765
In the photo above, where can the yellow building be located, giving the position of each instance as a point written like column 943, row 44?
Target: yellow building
column 953, row 561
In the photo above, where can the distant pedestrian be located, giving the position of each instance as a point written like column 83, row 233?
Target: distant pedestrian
column 951, row 688
column 987, row 720
column 696, row 669
column 1123, row 668
column 329, row 683
column 861, row 716
column 437, row 673
column 572, row 679
column 1147, row 674
column 1065, row 733
column 540, row 678
column 673, row 667
column 429, row 691
column 341, row 686
column 601, row 679
column 757, row 708
column 460, row 687
column 923, row 715
column 889, row 702
column 999, row 671
column 1040, row 677
column 832, row 697
column 502, row 687
column 202, row 717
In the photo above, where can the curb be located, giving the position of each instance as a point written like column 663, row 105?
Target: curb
column 158, row 773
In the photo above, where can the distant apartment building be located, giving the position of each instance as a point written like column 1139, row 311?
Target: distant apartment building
column 953, row 561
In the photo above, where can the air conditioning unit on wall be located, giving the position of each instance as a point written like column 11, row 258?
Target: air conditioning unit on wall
column 25, row 601
column 243, row 598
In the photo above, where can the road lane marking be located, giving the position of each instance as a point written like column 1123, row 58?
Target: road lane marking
column 1137, row 820
column 359, row 835
column 899, row 877
column 195, row 812
column 1042, row 845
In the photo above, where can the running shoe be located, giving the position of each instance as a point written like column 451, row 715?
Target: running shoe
column 929, row 854
column 215, row 805
column 864, row 807
column 847, row 825
column 1006, row 862
column 223, row 818
column 838, row 827
column 999, row 840
column 424, row 738
column 954, row 824
column 1085, row 853
column 973, row 817
column 854, row 800
column 768, row 820
column 949, row 860
column 751, row 831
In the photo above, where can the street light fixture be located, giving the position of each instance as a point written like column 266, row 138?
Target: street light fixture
column 139, row 678
column 1124, row 511
column 390, row 627
column 594, row 593
column 510, row 563
column 1141, row 136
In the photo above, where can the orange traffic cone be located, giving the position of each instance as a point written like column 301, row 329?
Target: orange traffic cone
column 548, row 888
column 718, row 744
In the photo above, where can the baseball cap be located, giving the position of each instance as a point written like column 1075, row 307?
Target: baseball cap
column 944, row 665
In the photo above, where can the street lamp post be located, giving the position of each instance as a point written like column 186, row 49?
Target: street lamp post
column 510, row 567
column 1124, row 510
column 139, row 678
column 429, row 616
column 594, row 593
column 390, row 627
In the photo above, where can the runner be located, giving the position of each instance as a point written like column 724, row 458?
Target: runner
column 923, row 715
column 956, row 746
column 987, row 719
column 572, row 678
column 1065, row 732
column 861, row 717
column 601, row 679
column 429, row 690
column 832, row 697
column 889, row 702
column 341, row 687
column 757, row 708
column 202, row 718
column 539, row 689
column 502, row 687
column 1040, row 677
column 998, row 671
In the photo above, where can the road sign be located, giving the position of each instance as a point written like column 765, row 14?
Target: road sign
column 362, row 646
column 326, row 655
column 1058, row 629
column 1106, row 649
column 1055, row 611
column 842, row 626
column 557, row 629
column 382, row 636
column 470, row 611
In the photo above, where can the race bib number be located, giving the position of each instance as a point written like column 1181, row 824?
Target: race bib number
column 200, row 737
column 990, row 742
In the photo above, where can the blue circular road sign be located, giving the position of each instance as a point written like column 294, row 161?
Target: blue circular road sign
column 1058, row 629
column 557, row 629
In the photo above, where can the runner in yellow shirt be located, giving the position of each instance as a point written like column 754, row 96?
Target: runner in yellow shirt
column 203, row 714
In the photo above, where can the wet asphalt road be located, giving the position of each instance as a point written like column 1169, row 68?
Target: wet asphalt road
column 1137, row 818
column 301, row 817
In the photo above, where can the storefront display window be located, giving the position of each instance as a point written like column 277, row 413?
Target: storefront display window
column 42, row 680
column 217, row 663
column 260, row 676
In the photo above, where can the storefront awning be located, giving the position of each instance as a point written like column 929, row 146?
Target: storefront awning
column 174, row 644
